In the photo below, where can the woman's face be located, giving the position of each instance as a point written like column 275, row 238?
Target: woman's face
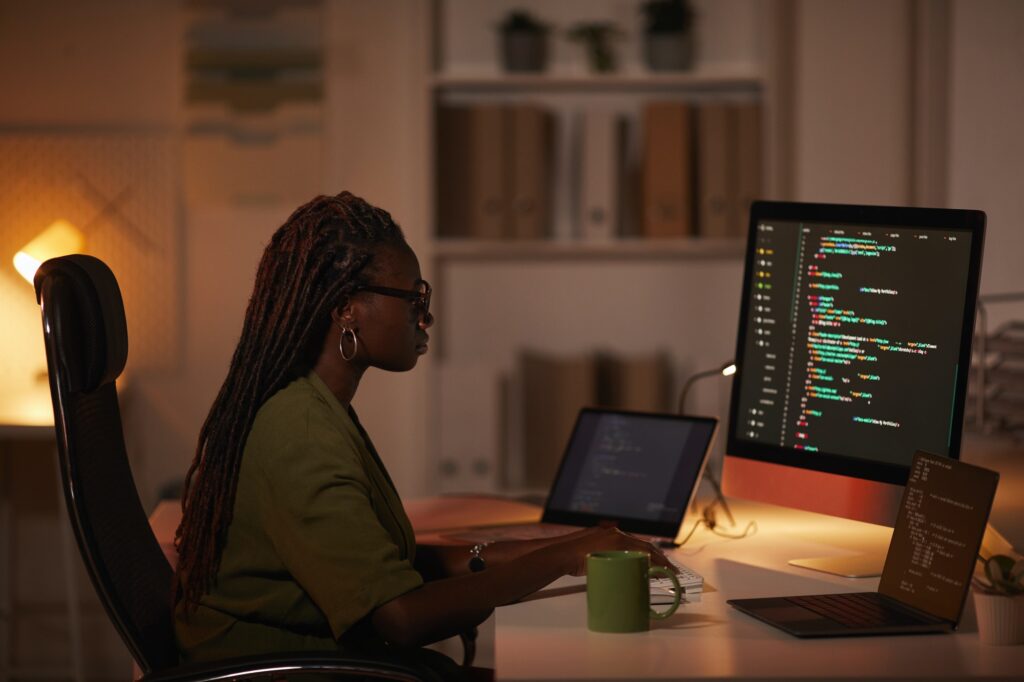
column 392, row 329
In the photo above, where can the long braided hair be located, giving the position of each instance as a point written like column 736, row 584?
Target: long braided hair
column 313, row 264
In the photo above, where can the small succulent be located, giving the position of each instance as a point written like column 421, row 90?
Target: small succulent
column 522, row 21
column 1005, row 576
column 668, row 16
column 597, row 36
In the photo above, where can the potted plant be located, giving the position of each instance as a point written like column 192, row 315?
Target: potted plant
column 597, row 38
column 524, row 42
column 999, row 601
column 668, row 36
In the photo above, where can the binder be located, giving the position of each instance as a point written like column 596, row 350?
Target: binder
column 598, row 212
column 452, row 169
column 553, row 391
column 716, row 174
column 667, row 193
column 468, row 427
column 472, row 178
column 641, row 382
column 748, row 159
column 488, row 179
column 531, row 156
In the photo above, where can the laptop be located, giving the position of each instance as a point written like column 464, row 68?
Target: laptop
column 928, row 568
column 637, row 471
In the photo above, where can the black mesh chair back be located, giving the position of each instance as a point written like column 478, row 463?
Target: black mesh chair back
column 86, row 350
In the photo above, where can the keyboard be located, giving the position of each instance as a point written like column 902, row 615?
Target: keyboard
column 858, row 610
column 689, row 579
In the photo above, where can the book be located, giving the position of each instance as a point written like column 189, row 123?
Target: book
column 749, row 160
column 452, row 168
column 598, row 214
column 716, row 169
column 554, row 389
column 531, row 140
column 488, row 179
column 667, row 159
column 472, row 172
column 636, row 382
column 469, row 414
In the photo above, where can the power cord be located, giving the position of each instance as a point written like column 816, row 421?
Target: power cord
column 709, row 520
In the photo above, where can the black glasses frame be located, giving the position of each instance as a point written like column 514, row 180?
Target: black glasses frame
column 420, row 299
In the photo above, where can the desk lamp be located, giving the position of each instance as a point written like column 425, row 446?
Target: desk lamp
column 59, row 239
column 727, row 369
column 25, row 394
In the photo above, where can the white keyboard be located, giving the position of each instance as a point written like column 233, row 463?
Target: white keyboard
column 689, row 580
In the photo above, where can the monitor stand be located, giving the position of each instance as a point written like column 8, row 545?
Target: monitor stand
column 866, row 565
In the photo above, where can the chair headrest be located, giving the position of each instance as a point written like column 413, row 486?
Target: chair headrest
column 83, row 310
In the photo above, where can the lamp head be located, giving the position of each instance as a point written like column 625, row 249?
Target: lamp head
column 59, row 239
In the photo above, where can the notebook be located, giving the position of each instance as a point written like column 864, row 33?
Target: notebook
column 928, row 568
column 635, row 470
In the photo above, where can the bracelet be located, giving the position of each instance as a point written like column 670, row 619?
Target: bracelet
column 476, row 562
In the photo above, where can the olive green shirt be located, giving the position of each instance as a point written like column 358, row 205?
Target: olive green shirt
column 318, row 540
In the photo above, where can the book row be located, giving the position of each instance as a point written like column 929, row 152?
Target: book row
column 678, row 169
column 506, row 427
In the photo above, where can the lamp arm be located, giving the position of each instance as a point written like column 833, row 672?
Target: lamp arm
column 689, row 383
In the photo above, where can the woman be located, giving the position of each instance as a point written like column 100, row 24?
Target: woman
column 293, row 537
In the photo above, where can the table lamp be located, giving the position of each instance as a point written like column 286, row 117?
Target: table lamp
column 59, row 239
column 25, row 401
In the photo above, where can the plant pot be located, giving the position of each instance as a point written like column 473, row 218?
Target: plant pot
column 524, row 51
column 1000, row 618
column 669, row 51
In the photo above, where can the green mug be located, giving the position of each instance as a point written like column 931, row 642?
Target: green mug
column 618, row 591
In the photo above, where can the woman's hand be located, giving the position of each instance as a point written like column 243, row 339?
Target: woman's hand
column 581, row 543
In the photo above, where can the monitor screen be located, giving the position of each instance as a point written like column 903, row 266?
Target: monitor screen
column 854, row 342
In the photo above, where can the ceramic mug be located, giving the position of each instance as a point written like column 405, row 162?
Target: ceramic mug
column 618, row 591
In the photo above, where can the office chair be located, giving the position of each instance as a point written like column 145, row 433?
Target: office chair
column 86, row 349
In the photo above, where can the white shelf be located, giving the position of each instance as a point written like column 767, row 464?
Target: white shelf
column 731, row 80
column 450, row 250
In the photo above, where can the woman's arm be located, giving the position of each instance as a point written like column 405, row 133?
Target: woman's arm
column 445, row 561
column 443, row 608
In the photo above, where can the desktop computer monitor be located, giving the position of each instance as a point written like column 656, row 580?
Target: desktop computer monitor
column 853, row 352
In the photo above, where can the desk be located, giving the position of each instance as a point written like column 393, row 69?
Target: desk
column 546, row 638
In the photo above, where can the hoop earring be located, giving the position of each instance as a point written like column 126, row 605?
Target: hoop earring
column 341, row 344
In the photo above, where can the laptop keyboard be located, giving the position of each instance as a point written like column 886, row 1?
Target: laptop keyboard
column 689, row 579
column 858, row 610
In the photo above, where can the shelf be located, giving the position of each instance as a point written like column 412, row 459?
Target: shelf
column 696, row 248
column 689, row 80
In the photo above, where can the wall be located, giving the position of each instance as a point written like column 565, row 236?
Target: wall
column 986, row 145
column 378, row 132
column 69, row 71
column 853, row 102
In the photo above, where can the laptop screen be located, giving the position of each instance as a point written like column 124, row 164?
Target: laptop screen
column 636, row 469
column 938, row 533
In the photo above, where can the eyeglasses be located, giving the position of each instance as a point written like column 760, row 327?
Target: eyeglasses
column 419, row 298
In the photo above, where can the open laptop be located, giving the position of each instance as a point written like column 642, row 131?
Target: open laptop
column 635, row 470
column 928, row 568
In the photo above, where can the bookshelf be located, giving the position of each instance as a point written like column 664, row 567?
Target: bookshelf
column 568, row 293
column 706, row 80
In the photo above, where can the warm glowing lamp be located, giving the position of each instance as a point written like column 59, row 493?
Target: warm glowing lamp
column 59, row 239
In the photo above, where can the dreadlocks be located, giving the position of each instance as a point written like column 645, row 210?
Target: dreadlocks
column 314, row 262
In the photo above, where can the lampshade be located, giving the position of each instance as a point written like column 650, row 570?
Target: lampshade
column 59, row 239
